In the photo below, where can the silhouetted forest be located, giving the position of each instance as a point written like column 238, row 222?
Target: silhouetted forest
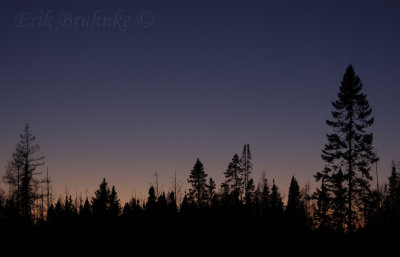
column 241, row 210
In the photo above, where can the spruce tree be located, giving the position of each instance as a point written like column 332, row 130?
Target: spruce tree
column 58, row 211
column 85, row 211
column 197, row 178
column 276, row 201
column 115, row 204
column 322, row 218
column 185, row 207
column 294, row 208
column 172, row 206
column 151, row 200
column 126, row 210
column 233, row 181
column 100, row 201
column 350, row 145
column 50, row 214
column 69, row 209
column 392, row 202
column 162, row 202
column 265, row 197
column 294, row 204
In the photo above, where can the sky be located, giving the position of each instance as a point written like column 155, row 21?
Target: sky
column 162, row 83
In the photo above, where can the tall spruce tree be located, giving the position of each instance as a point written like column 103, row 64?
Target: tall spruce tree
column 233, row 180
column 350, row 145
column 197, row 178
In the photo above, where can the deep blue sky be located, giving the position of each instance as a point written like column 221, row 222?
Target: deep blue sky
column 192, row 79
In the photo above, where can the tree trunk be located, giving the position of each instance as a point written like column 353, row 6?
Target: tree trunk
column 350, row 218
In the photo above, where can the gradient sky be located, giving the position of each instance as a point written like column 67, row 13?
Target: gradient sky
column 191, row 79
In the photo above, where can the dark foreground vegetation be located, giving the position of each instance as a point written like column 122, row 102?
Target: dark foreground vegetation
column 241, row 215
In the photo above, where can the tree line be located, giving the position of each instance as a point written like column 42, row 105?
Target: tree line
column 344, row 201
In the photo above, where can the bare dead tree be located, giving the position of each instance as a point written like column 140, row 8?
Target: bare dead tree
column 176, row 187
column 156, row 175
column 306, row 199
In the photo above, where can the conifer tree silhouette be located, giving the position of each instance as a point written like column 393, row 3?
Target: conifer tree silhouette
column 233, row 179
column 100, row 201
column 349, row 147
column 197, row 178
column 151, row 200
column 85, row 212
column 393, row 198
column 294, row 209
column 22, row 172
column 114, row 203
column 265, row 196
column 276, row 201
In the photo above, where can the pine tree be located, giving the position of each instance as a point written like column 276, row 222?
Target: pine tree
column 257, row 199
column 50, row 214
column 276, row 201
column 151, row 199
column 172, row 206
column 393, row 197
column 197, row 178
column 115, row 205
column 21, row 173
column 162, row 204
column 100, row 201
column 68, row 208
column 132, row 208
column 265, row 196
column 126, row 210
column 85, row 211
column 295, row 209
column 294, row 204
column 322, row 216
column 233, row 180
column 350, row 145
column 185, row 207
column 58, row 212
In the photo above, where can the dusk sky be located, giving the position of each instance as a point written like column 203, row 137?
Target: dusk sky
column 166, row 82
